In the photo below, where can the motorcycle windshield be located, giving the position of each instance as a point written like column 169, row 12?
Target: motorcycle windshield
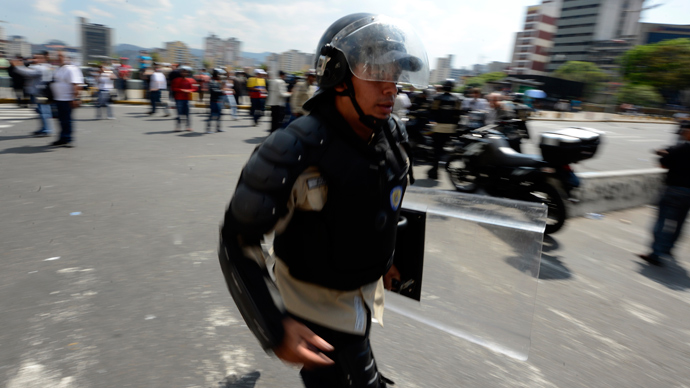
column 481, row 266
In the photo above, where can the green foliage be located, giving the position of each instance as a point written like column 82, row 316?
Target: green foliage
column 578, row 71
column 664, row 65
column 480, row 80
column 644, row 95
column 155, row 57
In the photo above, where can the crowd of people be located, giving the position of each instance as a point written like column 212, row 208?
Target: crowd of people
column 54, row 86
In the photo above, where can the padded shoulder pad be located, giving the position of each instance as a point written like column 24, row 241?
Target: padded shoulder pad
column 309, row 129
column 255, row 210
column 262, row 193
column 282, row 147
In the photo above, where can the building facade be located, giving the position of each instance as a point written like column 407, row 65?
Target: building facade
column 222, row 52
column 653, row 33
column 584, row 27
column 292, row 61
column 533, row 44
column 178, row 52
column 96, row 40
column 3, row 42
column 17, row 45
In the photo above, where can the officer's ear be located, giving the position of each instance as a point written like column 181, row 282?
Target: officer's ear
column 340, row 88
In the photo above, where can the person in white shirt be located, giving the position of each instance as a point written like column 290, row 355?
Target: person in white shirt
column 402, row 102
column 157, row 84
column 277, row 96
column 476, row 102
column 229, row 96
column 104, row 80
column 67, row 82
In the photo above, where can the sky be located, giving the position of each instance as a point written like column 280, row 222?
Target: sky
column 474, row 31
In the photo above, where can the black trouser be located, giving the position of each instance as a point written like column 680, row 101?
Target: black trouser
column 354, row 361
column 277, row 116
column 440, row 140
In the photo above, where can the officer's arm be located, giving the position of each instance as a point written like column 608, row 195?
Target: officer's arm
column 260, row 200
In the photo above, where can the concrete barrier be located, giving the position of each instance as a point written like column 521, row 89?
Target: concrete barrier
column 601, row 192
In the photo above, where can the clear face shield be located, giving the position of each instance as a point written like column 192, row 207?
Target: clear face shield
column 379, row 48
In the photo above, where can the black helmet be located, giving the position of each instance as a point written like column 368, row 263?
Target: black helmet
column 370, row 47
column 448, row 85
column 217, row 72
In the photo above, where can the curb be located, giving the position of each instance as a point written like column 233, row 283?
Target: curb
column 602, row 192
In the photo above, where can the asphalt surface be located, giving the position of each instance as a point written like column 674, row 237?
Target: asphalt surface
column 110, row 276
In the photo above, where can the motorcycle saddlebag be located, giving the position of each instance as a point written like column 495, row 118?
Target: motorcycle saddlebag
column 569, row 145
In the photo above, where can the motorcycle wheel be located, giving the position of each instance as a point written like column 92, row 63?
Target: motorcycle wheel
column 462, row 175
column 550, row 196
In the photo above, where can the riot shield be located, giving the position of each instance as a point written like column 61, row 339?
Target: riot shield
column 481, row 266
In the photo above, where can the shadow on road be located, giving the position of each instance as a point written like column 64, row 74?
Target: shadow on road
column 191, row 134
column 159, row 132
column 551, row 267
column 15, row 137
column 244, row 381
column 27, row 150
column 256, row 140
column 672, row 275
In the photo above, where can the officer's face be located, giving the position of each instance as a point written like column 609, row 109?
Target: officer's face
column 376, row 98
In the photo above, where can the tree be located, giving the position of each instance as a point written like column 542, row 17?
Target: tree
column 664, row 65
column 480, row 80
column 644, row 95
column 578, row 71
column 155, row 57
column 206, row 64
column 586, row 72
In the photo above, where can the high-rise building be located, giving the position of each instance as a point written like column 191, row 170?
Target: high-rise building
column 496, row 66
column 533, row 43
column 220, row 52
column 3, row 42
column 442, row 70
column 585, row 27
column 17, row 45
column 178, row 52
column 96, row 40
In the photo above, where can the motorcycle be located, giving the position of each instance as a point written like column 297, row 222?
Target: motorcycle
column 486, row 160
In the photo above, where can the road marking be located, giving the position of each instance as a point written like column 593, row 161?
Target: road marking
column 654, row 140
column 5, row 126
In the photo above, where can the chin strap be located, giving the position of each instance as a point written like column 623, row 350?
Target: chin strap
column 368, row 120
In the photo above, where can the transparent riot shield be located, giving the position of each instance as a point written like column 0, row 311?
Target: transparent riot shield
column 480, row 271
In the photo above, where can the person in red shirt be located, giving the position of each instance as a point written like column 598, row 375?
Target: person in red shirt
column 183, row 87
column 123, row 73
column 202, row 79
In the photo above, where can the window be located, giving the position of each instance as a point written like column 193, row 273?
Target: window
column 575, row 26
column 565, row 9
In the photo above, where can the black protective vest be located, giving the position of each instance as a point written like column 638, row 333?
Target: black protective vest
column 445, row 109
column 350, row 242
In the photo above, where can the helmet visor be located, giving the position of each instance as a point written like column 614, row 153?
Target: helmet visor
column 379, row 48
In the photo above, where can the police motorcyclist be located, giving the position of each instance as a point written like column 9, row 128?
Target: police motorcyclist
column 444, row 114
column 330, row 185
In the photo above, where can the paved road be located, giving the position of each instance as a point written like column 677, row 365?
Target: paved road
column 110, row 278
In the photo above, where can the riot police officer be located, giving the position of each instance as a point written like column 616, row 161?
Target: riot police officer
column 444, row 113
column 330, row 186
